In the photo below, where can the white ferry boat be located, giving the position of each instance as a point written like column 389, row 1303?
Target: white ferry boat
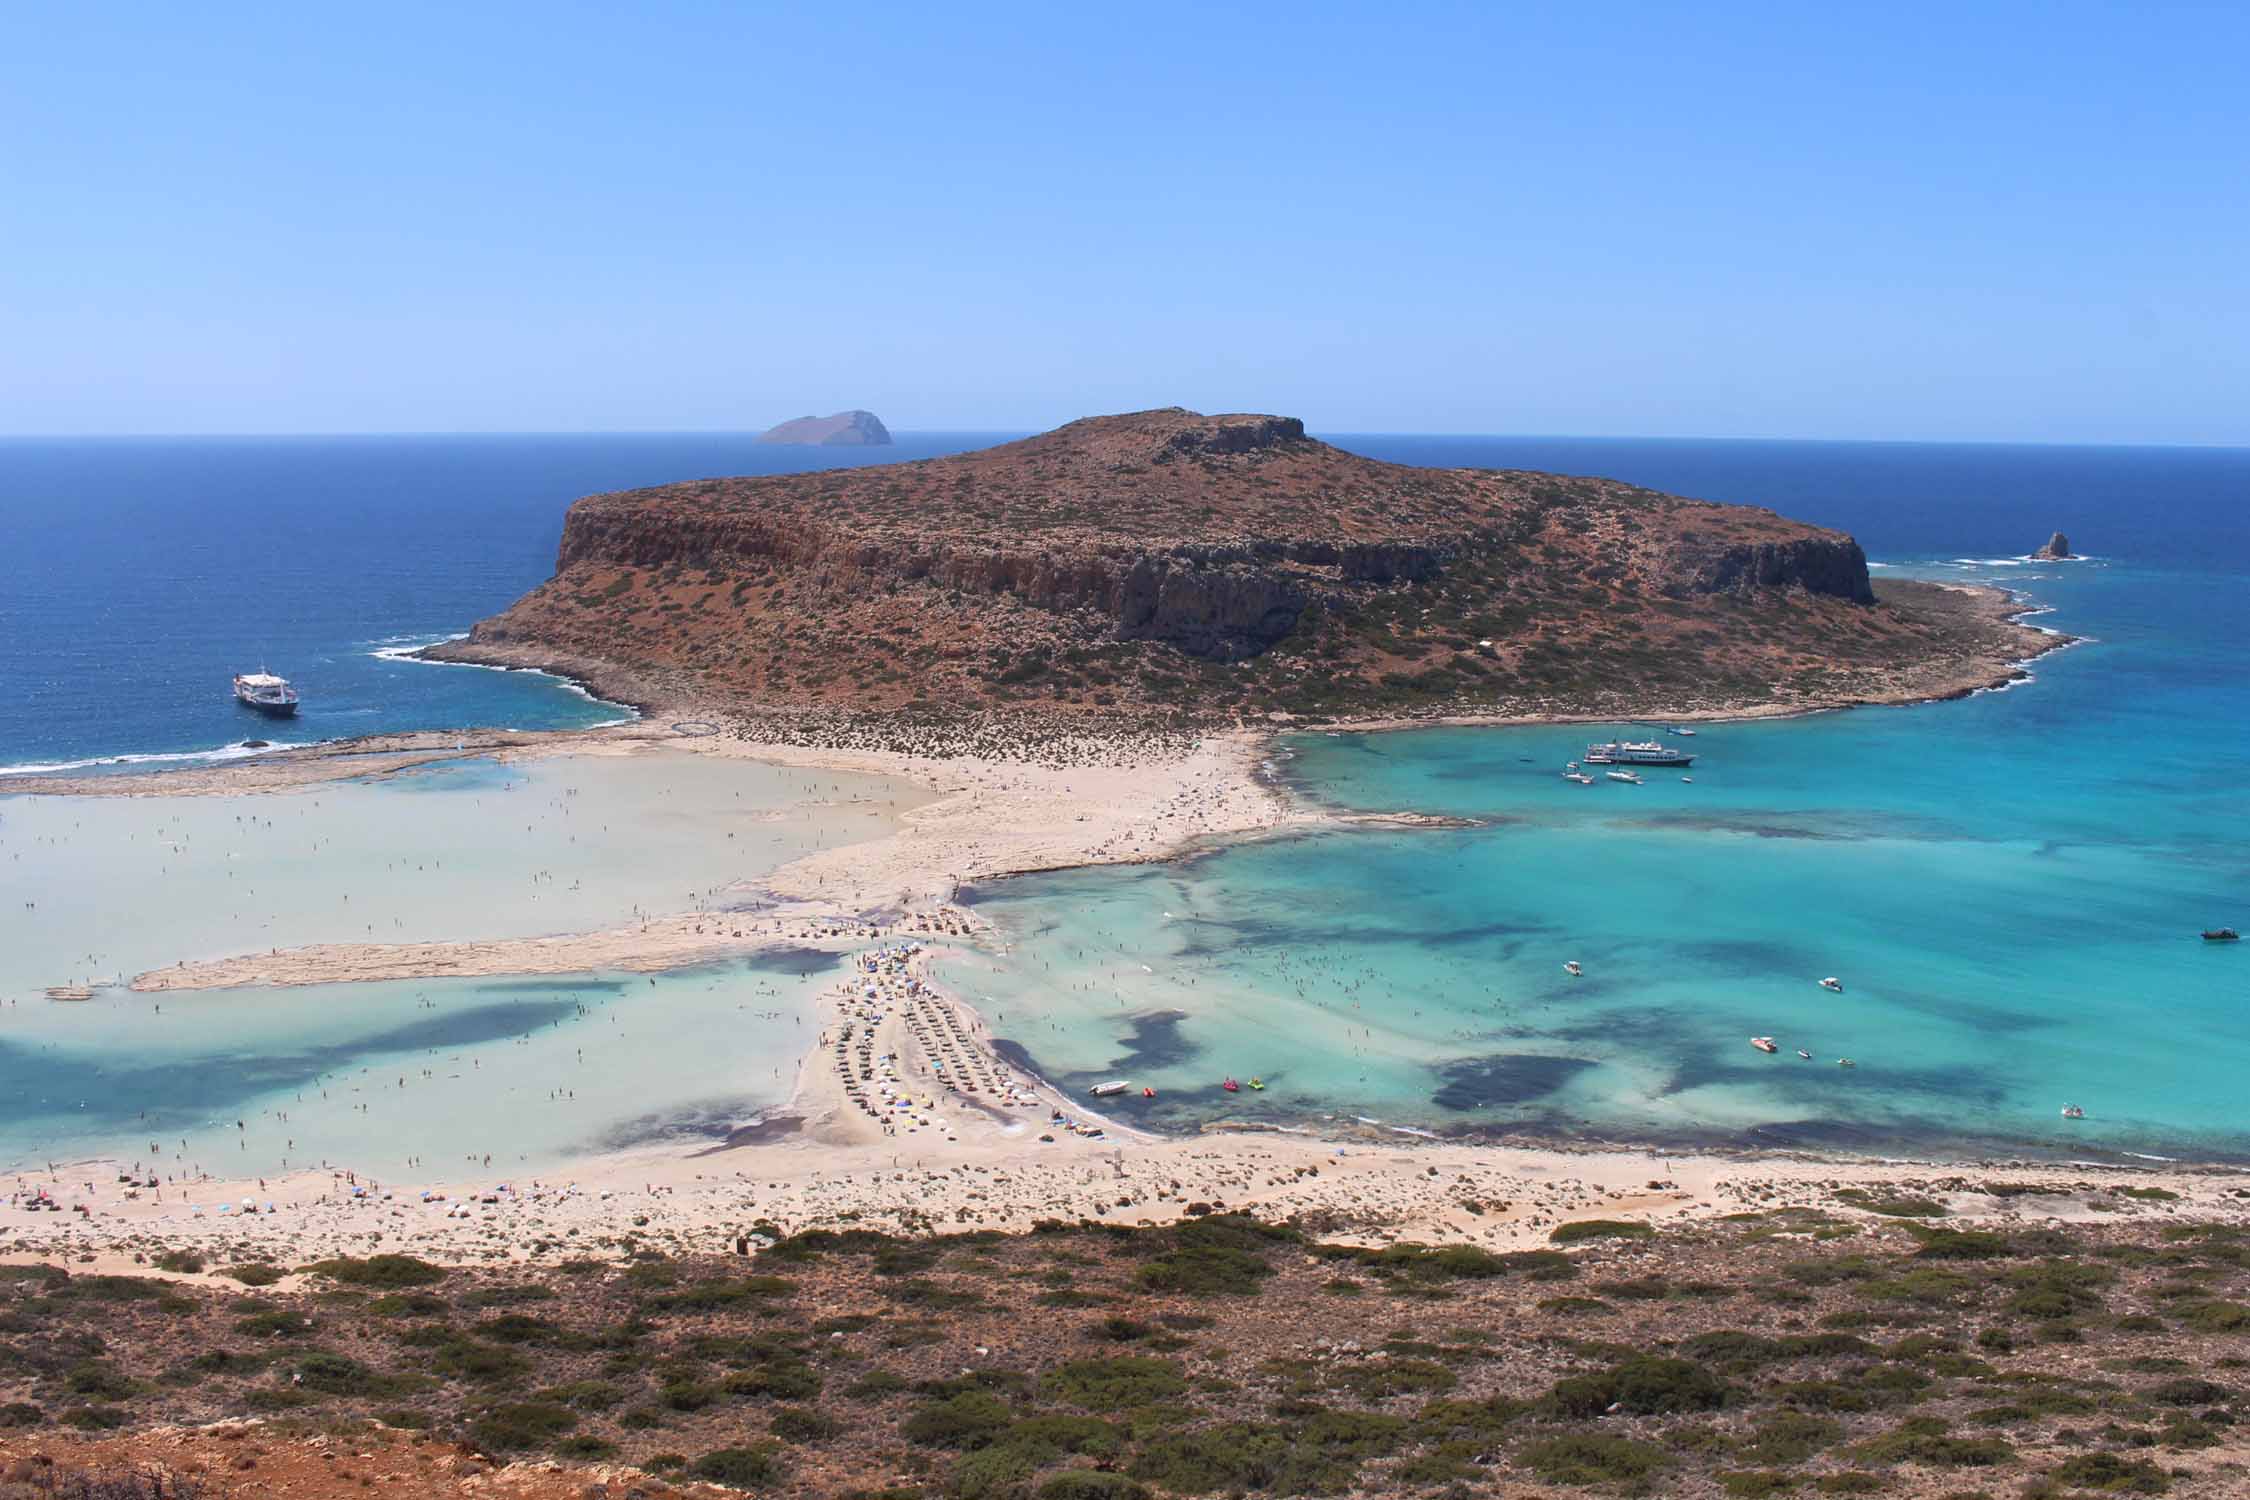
column 268, row 694
column 1637, row 753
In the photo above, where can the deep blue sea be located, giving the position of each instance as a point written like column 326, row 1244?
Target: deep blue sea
column 139, row 575
column 2010, row 886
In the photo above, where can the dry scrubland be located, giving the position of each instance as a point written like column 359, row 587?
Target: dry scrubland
column 1874, row 1351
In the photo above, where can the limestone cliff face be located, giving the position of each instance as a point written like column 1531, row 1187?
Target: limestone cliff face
column 1832, row 565
column 1229, row 541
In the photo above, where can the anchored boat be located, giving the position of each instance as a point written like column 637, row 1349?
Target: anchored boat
column 266, row 693
column 1638, row 753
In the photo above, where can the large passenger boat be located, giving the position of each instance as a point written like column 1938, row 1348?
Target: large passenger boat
column 1637, row 753
column 268, row 694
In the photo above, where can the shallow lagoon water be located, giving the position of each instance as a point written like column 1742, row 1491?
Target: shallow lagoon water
column 2010, row 887
column 463, row 850
column 529, row 1071
column 437, row 1073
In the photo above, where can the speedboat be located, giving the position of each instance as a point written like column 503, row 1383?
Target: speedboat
column 1572, row 969
column 2073, row 1112
column 2222, row 935
column 1807, row 1056
column 1578, row 776
column 1833, row 984
column 1624, row 776
column 1687, row 780
column 1105, row 1090
column 1764, row 1044
column 1231, row 1086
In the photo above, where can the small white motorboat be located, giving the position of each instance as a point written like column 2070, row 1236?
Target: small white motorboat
column 1572, row 969
column 1764, row 1044
column 1578, row 776
column 1106, row 1090
column 1833, row 985
column 1688, row 779
column 1807, row 1056
column 1624, row 776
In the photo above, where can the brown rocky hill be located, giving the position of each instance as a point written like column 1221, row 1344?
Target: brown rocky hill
column 1221, row 566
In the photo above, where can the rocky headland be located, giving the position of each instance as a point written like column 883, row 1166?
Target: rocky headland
column 1211, row 568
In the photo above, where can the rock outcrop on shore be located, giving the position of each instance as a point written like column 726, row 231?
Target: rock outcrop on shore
column 2056, row 550
column 846, row 429
column 1213, row 566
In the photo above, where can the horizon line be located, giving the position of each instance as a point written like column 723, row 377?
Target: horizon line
column 1010, row 433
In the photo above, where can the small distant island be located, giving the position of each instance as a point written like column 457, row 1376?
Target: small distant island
column 846, row 429
column 2056, row 550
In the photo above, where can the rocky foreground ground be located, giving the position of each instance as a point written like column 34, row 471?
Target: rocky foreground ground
column 1880, row 1349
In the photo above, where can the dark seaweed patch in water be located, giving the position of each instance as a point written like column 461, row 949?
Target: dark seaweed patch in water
column 188, row 1092
column 801, row 962
column 710, row 1119
column 1761, row 828
column 1504, row 1079
column 1154, row 1043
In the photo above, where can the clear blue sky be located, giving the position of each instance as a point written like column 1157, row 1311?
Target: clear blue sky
column 1892, row 221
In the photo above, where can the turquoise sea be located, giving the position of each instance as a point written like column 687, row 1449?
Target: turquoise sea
column 2010, row 887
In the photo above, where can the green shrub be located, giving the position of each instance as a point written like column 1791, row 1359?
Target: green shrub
column 1116, row 1384
column 378, row 1270
column 1642, row 1386
column 969, row 1420
column 2111, row 1475
column 1924, row 1440
column 484, row 1364
column 1963, row 1244
column 741, row 1468
column 99, row 1381
column 800, row 1424
column 1580, row 1230
column 1790, row 1437
column 876, row 1385
column 2216, row 1317
column 1318, row 1454
column 1592, row 1458
column 21, row 1414
column 254, row 1273
column 520, row 1425
column 1087, row 1484
column 184, row 1262
column 279, row 1323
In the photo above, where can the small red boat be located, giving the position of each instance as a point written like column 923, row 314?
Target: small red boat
column 1231, row 1086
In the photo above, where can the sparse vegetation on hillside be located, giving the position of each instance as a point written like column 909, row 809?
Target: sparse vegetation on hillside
column 1768, row 1354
